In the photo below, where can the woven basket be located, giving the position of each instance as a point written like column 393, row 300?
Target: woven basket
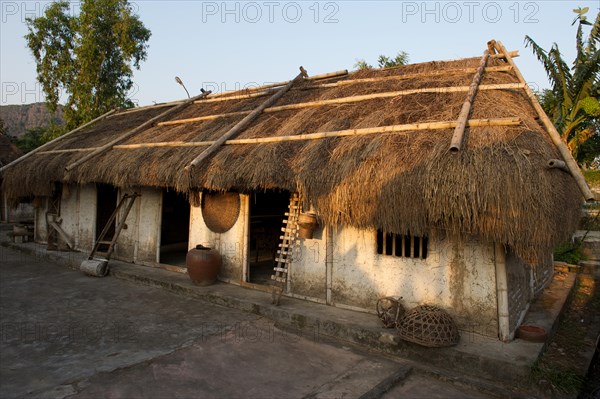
column 429, row 326
column 220, row 210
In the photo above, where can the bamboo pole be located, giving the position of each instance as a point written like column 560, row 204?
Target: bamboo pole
column 202, row 118
column 219, row 98
column 511, row 54
column 513, row 121
column 237, row 96
column 59, row 138
column 351, row 99
column 68, row 150
column 146, row 107
column 241, row 125
column 459, row 130
column 502, row 68
column 554, row 135
column 558, row 164
column 130, row 133
column 230, row 95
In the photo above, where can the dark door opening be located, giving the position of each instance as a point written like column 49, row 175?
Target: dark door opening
column 107, row 197
column 267, row 212
column 174, row 228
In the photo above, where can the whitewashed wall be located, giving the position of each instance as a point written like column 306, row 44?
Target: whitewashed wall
column 231, row 244
column 40, row 227
column 457, row 276
column 140, row 241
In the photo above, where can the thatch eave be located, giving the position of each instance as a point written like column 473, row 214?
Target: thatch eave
column 497, row 187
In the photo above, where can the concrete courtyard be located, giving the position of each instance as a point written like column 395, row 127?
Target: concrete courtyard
column 68, row 335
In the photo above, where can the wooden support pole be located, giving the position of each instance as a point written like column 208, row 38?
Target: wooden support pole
column 241, row 125
column 134, row 131
column 40, row 148
column 554, row 135
column 459, row 130
column 351, row 99
column 513, row 121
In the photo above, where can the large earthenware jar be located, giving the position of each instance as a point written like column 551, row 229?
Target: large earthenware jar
column 203, row 265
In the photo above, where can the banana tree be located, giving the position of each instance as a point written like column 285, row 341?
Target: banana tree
column 572, row 102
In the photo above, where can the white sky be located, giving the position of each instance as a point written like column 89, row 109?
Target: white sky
column 230, row 45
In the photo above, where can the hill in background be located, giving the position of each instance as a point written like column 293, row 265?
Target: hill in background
column 20, row 118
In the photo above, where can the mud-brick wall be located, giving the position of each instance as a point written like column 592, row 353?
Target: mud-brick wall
column 542, row 274
column 519, row 285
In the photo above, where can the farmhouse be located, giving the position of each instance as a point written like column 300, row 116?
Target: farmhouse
column 422, row 187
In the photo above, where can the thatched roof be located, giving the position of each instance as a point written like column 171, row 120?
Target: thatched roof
column 8, row 151
column 497, row 187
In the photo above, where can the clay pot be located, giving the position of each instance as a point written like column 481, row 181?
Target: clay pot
column 203, row 265
column 307, row 223
column 531, row 333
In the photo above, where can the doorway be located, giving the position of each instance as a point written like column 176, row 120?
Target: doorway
column 107, row 197
column 267, row 212
column 174, row 228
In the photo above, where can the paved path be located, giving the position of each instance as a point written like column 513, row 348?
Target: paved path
column 68, row 335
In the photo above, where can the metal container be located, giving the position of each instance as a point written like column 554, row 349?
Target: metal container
column 203, row 265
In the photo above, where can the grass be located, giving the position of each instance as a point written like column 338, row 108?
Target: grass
column 592, row 177
column 556, row 379
column 569, row 253
column 560, row 371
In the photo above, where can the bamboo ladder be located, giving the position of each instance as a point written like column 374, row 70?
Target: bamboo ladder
column 285, row 253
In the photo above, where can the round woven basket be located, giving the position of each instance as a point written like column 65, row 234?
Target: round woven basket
column 428, row 325
column 220, row 210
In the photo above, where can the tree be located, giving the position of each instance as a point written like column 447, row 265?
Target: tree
column 572, row 102
column 89, row 56
column 384, row 61
column 35, row 137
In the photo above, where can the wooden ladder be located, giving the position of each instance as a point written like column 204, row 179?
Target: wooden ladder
column 285, row 253
column 127, row 201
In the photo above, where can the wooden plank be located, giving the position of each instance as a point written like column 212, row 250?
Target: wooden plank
column 61, row 232
column 241, row 125
column 280, row 269
column 59, row 138
column 132, row 132
column 459, row 130
column 554, row 135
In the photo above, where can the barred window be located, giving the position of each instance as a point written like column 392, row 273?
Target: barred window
column 402, row 246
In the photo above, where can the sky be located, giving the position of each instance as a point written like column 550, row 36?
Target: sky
column 221, row 46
